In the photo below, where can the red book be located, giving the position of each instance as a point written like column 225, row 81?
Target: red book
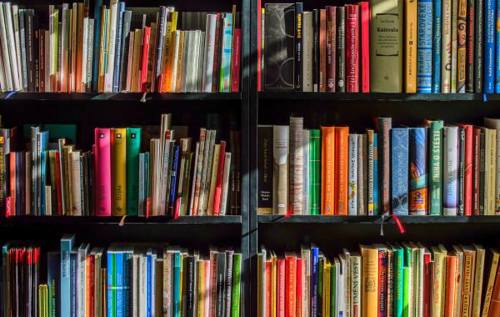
column 235, row 63
column 281, row 289
column 145, row 58
column 469, row 154
column 268, row 289
column 352, row 47
column 102, row 172
column 290, row 286
column 331, row 47
column 427, row 284
column 365, row 46
column 220, row 176
column 476, row 172
column 382, row 283
column 259, row 45
column 58, row 189
column 299, row 287
column 322, row 50
column 91, row 284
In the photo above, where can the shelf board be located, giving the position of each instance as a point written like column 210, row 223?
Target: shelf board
column 89, row 220
column 325, row 96
column 376, row 220
column 28, row 96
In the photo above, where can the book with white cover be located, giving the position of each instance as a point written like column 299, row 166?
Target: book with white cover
column 9, row 85
column 209, row 52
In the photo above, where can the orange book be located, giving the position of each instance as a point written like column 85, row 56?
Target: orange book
column 495, row 298
column 341, row 170
column 299, row 295
column 369, row 281
column 451, row 285
column 411, row 46
column 268, row 287
column 290, row 285
column 327, row 170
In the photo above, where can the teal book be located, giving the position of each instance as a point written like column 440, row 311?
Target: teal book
column 67, row 242
column 236, row 287
column 227, row 45
column 177, row 285
column 398, row 281
column 110, row 284
column 314, row 171
column 436, row 167
column 133, row 149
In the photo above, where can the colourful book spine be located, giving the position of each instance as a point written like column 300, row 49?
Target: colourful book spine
column 398, row 282
column 110, row 284
column 489, row 46
column 119, row 285
column 118, row 46
column 435, row 168
column 235, row 63
column 314, row 281
column 119, row 170
column 468, row 168
column 424, row 46
column 225, row 65
column 365, row 46
column 406, row 293
column 342, row 170
column 450, row 171
column 446, row 47
column 327, row 170
column 497, row 53
column 132, row 160
column 384, row 125
column 352, row 47
column 372, row 191
column 65, row 278
column 103, row 172
column 353, row 175
column 436, row 46
column 236, row 287
column 411, row 46
column 461, row 45
column 418, row 171
column 314, row 171
column 177, row 285
column 399, row 161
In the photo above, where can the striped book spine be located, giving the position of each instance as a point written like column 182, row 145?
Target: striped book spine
column 424, row 46
column 489, row 46
column 315, row 171
column 435, row 168
column 497, row 54
column 399, row 175
column 418, row 171
column 436, row 47
column 353, row 174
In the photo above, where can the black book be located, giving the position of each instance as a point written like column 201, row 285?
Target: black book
column 280, row 46
column 340, row 49
column 221, row 273
column 478, row 51
column 265, row 166
column 229, row 281
column 190, row 274
column 299, row 9
column 316, row 50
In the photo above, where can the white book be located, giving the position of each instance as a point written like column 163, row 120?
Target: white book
column 296, row 172
column 190, row 51
column 225, row 183
column 135, row 285
column 76, row 185
column 53, row 42
column 195, row 206
column 208, row 64
column 446, row 47
column 142, row 286
column 280, row 168
column 90, row 54
column 81, row 280
column 11, row 44
column 450, row 171
column 85, row 52
column 8, row 76
column 353, row 174
column 454, row 43
column 201, row 59
column 175, row 69
column 307, row 46
column 341, row 278
column 305, row 183
column 22, row 39
column 108, row 77
column 362, row 174
column 15, row 25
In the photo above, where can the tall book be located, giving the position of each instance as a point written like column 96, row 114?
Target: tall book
column 133, row 148
column 450, row 171
column 265, row 198
column 436, row 46
column 119, row 171
column 478, row 48
column 418, row 171
column 399, row 173
column 461, row 45
column 299, row 27
column 411, row 27
column 331, row 47
column 454, row 45
column 369, row 274
column 386, row 61
column 424, row 46
column 315, row 171
column 296, row 164
column 328, row 170
column 280, row 169
column 435, row 166
column 307, row 51
column 489, row 46
column 364, row 8
column 352, row 34
column 384, row 125
column 495, row 124
column 446, row 47
column 341, row 163
column 341, row 53
column 103, row 172
column 372, row 171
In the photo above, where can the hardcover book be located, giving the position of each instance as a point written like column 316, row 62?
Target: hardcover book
column 399, row 174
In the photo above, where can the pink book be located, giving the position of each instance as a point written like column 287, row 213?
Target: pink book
column 220, row 174
column 365, row 46
column 103, row 172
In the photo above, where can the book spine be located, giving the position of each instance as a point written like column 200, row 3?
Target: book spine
column 362, row 174
column 118, row 47
column 365, row 46
column 331, row 47
column 372, row 202
column 342, row 170
column 260, row 49
column 435, row 167
column 316, row 48
column 478, row 50
column 235, row 63
column 411, row 46
column 341, row 54
column 306, row 200
column 296, row 172
column 280, row 169
column 307, row 51
column 450, row 171
column 454, row 45
column 471, row 23
column 446, row 47
column 382, row 283
column 489, row 46
column 265, row 198
column 322, row 51
column 315, row 171
column 103, row 172
column 399, row 175
column 384, row 146
column 353, row 175
column 424, row 46
column 468, row 176
column 225, row 65
column 461, row 45
column 299, row 12
column 132, row 162
column 352, row 48
column 327, row 170
column 144, row 59
column 476, row 171
column 418, row 166
column 461, row 170
column 65, row 277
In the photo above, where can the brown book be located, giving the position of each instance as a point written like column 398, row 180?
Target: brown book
column 217, row 53
column 322, row 50
column 495, row 298
column 492, row 283
column 41, row 59
column 79, row 49
column 74, row 48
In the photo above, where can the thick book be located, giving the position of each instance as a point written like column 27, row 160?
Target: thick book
column 119, row 171
column 411, row 38
column 280, row 169
column 489, row 58
column 424, row 46
column 280, row 46
column 370, row 280
column 133, row 148
column 386, row 61
column 352, row 60
column 341, row 163
column 435, row 166
column 265, row 165
column 399, row 174
column 418, row 197
column 103, row 172
column 328, row 170
column 450, row 171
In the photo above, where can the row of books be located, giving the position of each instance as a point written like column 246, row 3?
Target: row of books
column 175, row 176
column 433, row 169
column 111, row 48
column 387, row 46
column 122, row 280
column 380, row 280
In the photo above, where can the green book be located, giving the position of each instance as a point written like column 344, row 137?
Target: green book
column 406, row 295
column 133, row 149
column 398, row 281
column 236, row 288
column 435, row 168
column 333, row 290
column 314, row 171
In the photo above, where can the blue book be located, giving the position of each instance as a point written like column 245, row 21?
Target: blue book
column 314, row 280
column 67, row 242
column 74, row 300
column 436, row 46
column 424, row 47
column 399, row 171
column 44, row 141
column 489, row 46
column 53, row 280
column 497, row 56
column 177, row 284
column 376, row 190
column 227, row 46
column 118, row 47
column 149, row 284
column 173, row 179
column 110, row 284
column 119, row 272
column 97, row 41
column 418, row 172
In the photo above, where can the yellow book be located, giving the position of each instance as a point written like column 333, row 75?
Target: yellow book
column 119, row 171
column 490, row 172
column 201, row 288
column 327, row 274
column 369, row 281
column 438, row 281
column 411, row 46
column 478, row 281
column 43, row 305
column 169, row 51
column 274, row 277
